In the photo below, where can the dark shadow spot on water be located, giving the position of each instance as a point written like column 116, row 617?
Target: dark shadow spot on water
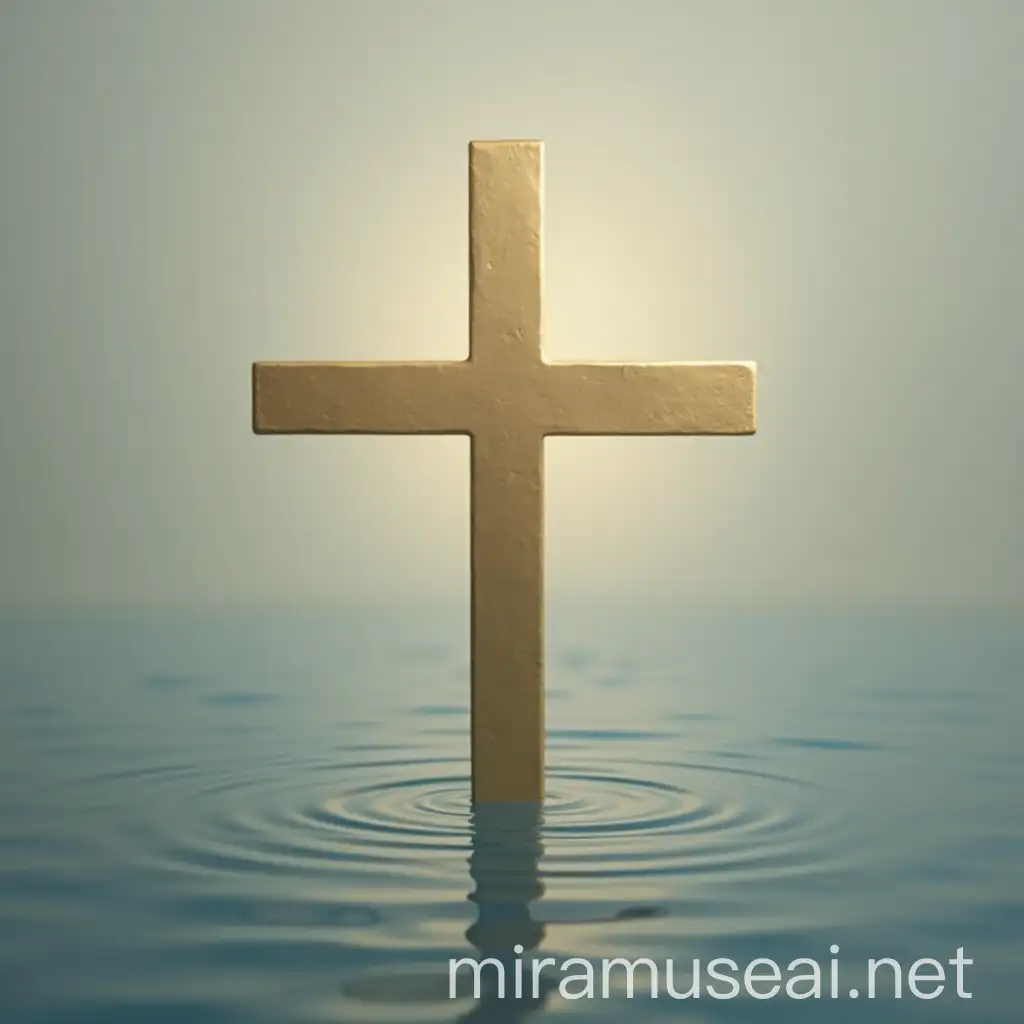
column 572, row 914
column 642, row 912
column 611, row 682
column 826, row 743
column 734, row 755
column 240, row 698
column 441, row 709
column 608, row 734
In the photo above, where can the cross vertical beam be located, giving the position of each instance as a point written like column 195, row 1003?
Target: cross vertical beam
column 507, row 476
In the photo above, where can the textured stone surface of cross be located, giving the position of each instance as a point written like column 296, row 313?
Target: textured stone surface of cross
column 507, row 398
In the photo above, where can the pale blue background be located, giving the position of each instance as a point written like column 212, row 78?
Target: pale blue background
column 784, row 673
column 831, row 189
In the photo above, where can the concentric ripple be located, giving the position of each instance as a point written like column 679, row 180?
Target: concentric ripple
column 412, row 818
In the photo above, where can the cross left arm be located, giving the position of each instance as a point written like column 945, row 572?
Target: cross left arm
column 360, row 398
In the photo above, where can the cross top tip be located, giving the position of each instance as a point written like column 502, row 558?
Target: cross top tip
column 489, row 143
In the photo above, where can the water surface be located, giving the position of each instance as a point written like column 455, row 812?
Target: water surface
column 263, row 816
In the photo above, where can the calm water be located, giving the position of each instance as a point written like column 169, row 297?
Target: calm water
column 264, row 816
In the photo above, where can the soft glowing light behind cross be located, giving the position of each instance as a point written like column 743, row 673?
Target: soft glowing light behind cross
column 507, row 398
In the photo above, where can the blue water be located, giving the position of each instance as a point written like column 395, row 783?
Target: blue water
column 263, row 816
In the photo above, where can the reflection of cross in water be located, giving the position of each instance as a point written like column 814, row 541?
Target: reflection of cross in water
column 504, row 867
column 508, row 399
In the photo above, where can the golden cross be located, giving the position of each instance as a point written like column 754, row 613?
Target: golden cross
column 508, row 399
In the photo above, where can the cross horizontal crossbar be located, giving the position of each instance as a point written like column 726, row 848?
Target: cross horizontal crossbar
column 465, row 398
